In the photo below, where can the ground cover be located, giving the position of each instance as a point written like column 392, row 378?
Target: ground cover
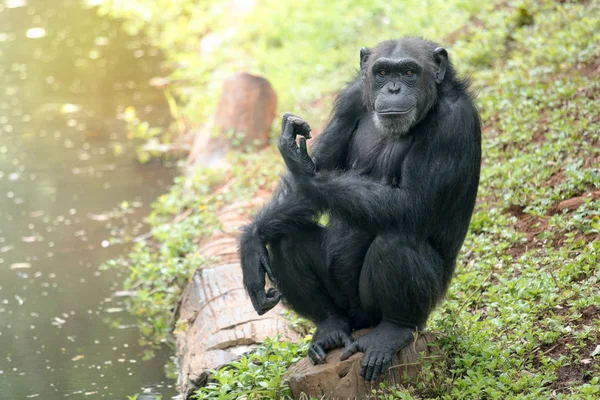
column 521, row 319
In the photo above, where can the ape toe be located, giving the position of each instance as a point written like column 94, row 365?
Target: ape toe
column 349, row 350
column 375, row 364
column 316, row 353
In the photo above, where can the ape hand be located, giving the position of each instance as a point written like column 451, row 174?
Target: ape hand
column 380, row 347
column 263, row 302
column 296, row 157
column 255, row 263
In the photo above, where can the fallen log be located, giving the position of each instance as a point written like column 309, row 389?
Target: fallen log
column 216, row 323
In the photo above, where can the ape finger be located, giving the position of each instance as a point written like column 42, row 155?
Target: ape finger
column 263, row 302
column 266, row 264
column 284, row 119
column 301, row 127
column 307, row 163
column 268, row 304
column 385, row 364
column 288, row 136
column 287, row 146
column 272, row 298
column 273, row 293
column 298, row 124
column 350, row 350
column 367, row 367
column 378, row 368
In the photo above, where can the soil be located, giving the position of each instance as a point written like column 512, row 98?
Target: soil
column 581, row 367
column 532, row 225
column 590, row 69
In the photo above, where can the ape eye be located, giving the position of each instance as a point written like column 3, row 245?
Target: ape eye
column 382, row 72
column 408, row 72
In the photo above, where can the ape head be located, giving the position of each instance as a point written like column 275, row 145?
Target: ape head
column 401, row 80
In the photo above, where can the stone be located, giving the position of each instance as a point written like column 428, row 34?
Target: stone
column 337, row 379
column 247, row 106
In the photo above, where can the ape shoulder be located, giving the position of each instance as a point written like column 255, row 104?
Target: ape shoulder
column 349, row 101
column 330, row 150
column 456, row 108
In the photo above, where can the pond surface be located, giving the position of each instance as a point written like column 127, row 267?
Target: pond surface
column 66, row 165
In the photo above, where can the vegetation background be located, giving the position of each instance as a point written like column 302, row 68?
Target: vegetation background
column 521, row 317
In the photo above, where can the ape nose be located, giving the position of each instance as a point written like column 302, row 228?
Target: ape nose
column 394, row 88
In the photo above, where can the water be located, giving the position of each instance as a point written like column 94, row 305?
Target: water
column 65, row 165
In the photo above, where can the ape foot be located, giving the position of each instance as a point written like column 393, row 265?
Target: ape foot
column 331, row 333
column 296, row 157
column 380, row 347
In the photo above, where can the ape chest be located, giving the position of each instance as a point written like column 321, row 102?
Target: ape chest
column 379, row 157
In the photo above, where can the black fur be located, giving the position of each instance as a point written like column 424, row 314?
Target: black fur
column 400, row 192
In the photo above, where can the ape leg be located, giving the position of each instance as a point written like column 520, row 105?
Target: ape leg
column 346, row 250
column 299, row 266
column 401, row 280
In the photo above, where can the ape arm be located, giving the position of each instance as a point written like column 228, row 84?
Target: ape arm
column 435, row 174
column 286, row 213
column 331, row 148
column 290, row 210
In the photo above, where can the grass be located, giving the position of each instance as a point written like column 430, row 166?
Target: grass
column 521, row 320
column 307, row 49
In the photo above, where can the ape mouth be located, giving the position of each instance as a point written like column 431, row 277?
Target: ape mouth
column 392, row 113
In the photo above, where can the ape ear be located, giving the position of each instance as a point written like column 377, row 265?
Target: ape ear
column 441, row 59
column 364, row 57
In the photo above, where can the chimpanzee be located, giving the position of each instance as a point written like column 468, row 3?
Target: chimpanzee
column 397, row 171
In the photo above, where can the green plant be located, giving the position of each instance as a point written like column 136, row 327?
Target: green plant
column 257, row 375
column 284, row 41
column 521, row 320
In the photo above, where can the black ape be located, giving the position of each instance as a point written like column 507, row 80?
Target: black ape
column 397, row 169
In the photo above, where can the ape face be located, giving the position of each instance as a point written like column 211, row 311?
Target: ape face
column 395, row 93
column 400, row 83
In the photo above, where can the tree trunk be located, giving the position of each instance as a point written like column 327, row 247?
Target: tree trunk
column 215, row 321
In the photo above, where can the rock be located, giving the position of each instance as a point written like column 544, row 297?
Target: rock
column 341, row 380
column 215, row 321
column 247, row 106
